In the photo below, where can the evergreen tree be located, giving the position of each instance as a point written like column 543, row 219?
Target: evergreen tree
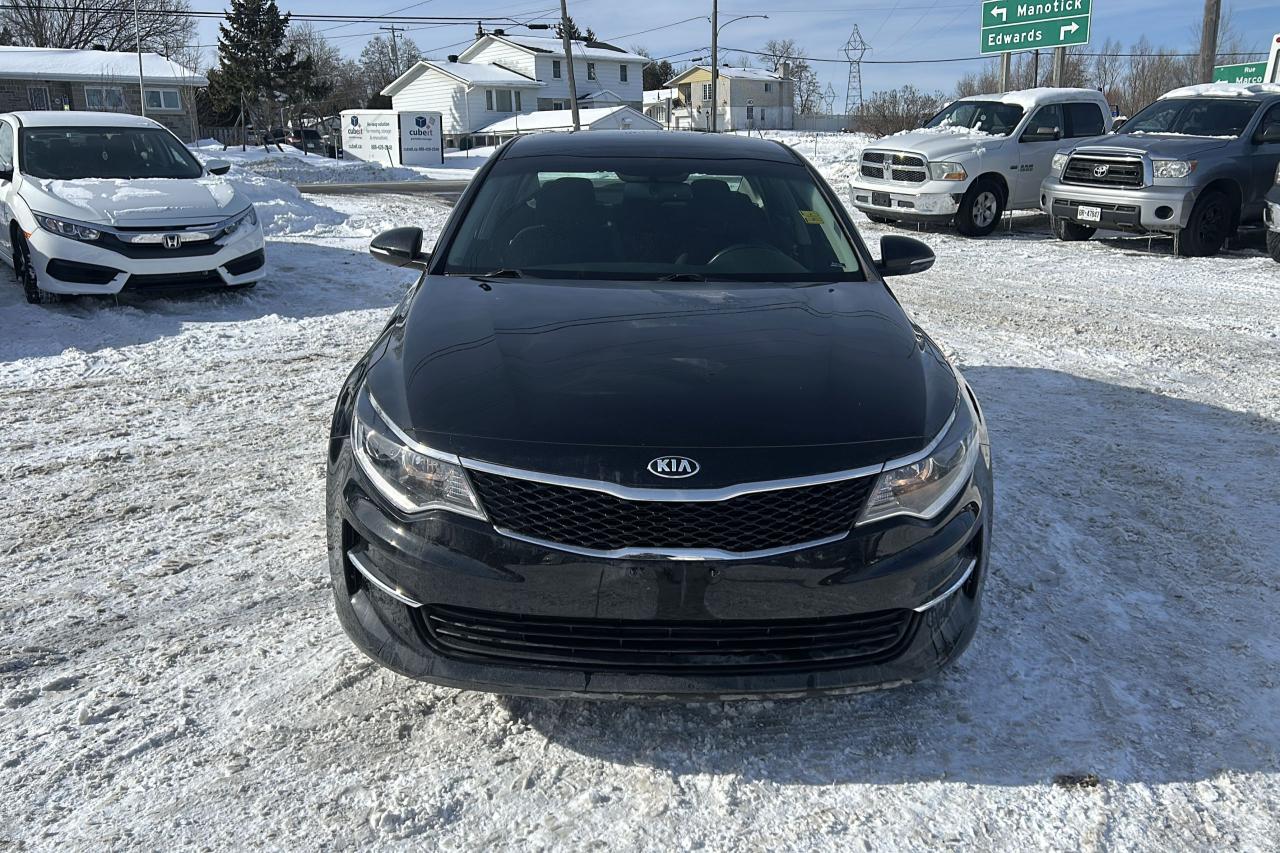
column 574, row 33
column 256, row 65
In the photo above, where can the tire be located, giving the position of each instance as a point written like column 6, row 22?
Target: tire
column 1072, row 232
column 980, row 209
column 1273, row 245
column 1208, row 227
column 26, row 274
column 881, row 220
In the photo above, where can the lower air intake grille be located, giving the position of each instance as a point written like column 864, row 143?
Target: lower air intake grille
column 654, row 647
column 588, row 519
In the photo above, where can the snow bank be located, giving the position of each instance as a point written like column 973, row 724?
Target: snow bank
column 282, row 209
column 296, row 167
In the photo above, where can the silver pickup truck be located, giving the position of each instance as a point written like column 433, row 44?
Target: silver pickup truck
column 1196, row 164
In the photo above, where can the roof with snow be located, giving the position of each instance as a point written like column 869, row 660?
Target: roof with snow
column 729, row 72
column 563, row 120
column 1028, row 98
column 50, row 63
column 658, row 96
column 1224, row 90
column 470, row 73
column 555, row 47
column 81, row 118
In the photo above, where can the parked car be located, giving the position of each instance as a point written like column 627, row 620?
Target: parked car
column 312, row 141
column 1273, row 219
column 98, row 202
column 980, row 156
column 651, row 422
column 1195, row 164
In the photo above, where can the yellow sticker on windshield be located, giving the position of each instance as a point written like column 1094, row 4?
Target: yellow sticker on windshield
column 812, row 217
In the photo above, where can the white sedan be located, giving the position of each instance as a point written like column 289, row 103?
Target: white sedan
column 98, row 202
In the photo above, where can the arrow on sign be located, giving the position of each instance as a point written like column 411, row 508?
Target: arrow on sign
column 1001, row 12
column 1071, row 29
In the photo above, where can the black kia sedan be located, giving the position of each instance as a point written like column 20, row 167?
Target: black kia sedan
column 650, row 423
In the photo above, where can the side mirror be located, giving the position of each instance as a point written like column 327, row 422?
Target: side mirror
column 1269, row 134
column 217, row 167
column 1118, row 123
column 400, row 247
column 6, row 173
column 903, row 256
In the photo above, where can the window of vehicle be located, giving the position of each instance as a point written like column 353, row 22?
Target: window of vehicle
column 1270, row 121
column 1045, row 125
column 591, row 71
column 72, row 153
column 653, row 219
column 109, row 98
column 163, row 99
column 555, row 68
column 984, row 116
column 622, row 73
column 1194, row 117
column 1084, row 119
column 6, row 146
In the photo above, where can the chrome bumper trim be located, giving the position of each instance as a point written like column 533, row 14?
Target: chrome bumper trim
column 379, row 582
column 973, row 564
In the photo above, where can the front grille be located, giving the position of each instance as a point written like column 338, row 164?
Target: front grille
column 1099, row 171
column 707, row 647
column 588, row 519
column 163, row 281
column 145, row 251
column 894, row 166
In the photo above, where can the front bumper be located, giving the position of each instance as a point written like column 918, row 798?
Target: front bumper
column 78, row 259
column 381, row 564
column 932, row 201
column 1152, row 209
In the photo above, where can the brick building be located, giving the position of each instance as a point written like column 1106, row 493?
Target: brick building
column 38, row 78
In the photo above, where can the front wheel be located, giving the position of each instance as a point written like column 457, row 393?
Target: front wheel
column 1273, row 245
column 980, row 209
column 1208, row 227
column 1072, row 232
column 25, row 270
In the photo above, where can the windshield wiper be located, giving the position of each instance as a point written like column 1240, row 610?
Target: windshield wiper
column 683, row 276
column 502, row 273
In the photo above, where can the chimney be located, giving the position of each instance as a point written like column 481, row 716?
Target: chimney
column 453, row 57
column 499, row 32
column 786, row 71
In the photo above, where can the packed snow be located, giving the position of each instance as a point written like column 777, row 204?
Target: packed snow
column 172, row 675
column 1224, row 90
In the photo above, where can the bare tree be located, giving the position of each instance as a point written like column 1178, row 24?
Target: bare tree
column 165, row 25
column 893, row 110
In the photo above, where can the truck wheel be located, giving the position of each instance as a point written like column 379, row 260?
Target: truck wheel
column 26, row 273
column 980, row 209
column 1072, row 232
column 1208, row 227
column 1273, row 245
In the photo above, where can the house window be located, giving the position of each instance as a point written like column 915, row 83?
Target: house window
column 706, row 91
column 504, row 100
column 751, row 112
column 519, row 108
column 591, row 71
column 622, row 73
column 38, row 97
column 103, row 98
column 555, row 68
column 762, row 116
column 557, row 105
column 488, row 99
column 164, row 99
column 768, row 87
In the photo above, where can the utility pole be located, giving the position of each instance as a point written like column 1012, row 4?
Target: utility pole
column 568, row 61
column 1004, row 72
column 1035, row 68
column 1059, row 65
column 715, row 59
column 1209, row 39
column 137, row 34
column 395, row 52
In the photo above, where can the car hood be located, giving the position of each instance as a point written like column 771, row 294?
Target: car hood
column 941, row 144
column 141, row 202
column 1156, row 145
column 595, row 379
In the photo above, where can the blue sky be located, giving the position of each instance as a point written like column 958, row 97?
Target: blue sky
column 896, row 29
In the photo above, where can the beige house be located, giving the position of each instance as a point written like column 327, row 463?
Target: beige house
column 748, row 99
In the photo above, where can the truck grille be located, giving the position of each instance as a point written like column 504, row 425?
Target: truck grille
column 894, row 166
column 1103, row 171
column 712, row 646
column 593, row 520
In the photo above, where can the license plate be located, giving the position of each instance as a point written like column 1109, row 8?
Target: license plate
column 1089, row 214
column 881, row 200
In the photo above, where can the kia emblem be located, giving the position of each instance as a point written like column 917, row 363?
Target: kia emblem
column 172, row 241
column 673, row 467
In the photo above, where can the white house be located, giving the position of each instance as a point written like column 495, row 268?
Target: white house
column 659, row 104
column 748, row 99
column 620, row 117
column 504, row 75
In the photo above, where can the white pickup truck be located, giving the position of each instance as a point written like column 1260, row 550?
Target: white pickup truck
column 980, row 156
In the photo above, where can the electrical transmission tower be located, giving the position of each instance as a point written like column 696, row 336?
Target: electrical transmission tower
column 829, row 99
column 854, row 49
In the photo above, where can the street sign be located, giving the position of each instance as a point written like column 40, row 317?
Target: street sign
column 1009, row 26
column 1248, row 72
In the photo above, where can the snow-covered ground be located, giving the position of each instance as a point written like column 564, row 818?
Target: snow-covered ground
column 287, row 163
column 172, row 675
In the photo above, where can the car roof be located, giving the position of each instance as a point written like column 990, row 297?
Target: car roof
column 80, row 118
column 1249, row 91
column 1026, row 98
column 648, row 143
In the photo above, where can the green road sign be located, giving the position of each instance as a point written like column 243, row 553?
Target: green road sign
column 1014, row 25
column 1249, row 72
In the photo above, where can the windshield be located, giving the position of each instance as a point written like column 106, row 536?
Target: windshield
column 1194, row 117
column 652, row 219
column 72, row 153
column 984, row 116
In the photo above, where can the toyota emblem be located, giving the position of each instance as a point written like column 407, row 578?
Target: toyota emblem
column 1101, row 171
column 173, row 241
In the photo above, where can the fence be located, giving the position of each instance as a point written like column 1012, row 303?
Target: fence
column 829, row 124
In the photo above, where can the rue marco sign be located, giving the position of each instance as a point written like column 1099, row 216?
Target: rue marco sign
column 1014, row 25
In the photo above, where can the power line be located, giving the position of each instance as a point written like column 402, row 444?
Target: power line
column 980, row 58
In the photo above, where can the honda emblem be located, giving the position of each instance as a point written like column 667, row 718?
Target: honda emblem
column 172, row 241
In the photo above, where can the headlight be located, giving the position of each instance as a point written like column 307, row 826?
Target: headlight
column 1173, row 168
column 64, row 228
column 248, row 219
column 1059, row 163
column 413, row 477
column 921, row 488
column 947, row 172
